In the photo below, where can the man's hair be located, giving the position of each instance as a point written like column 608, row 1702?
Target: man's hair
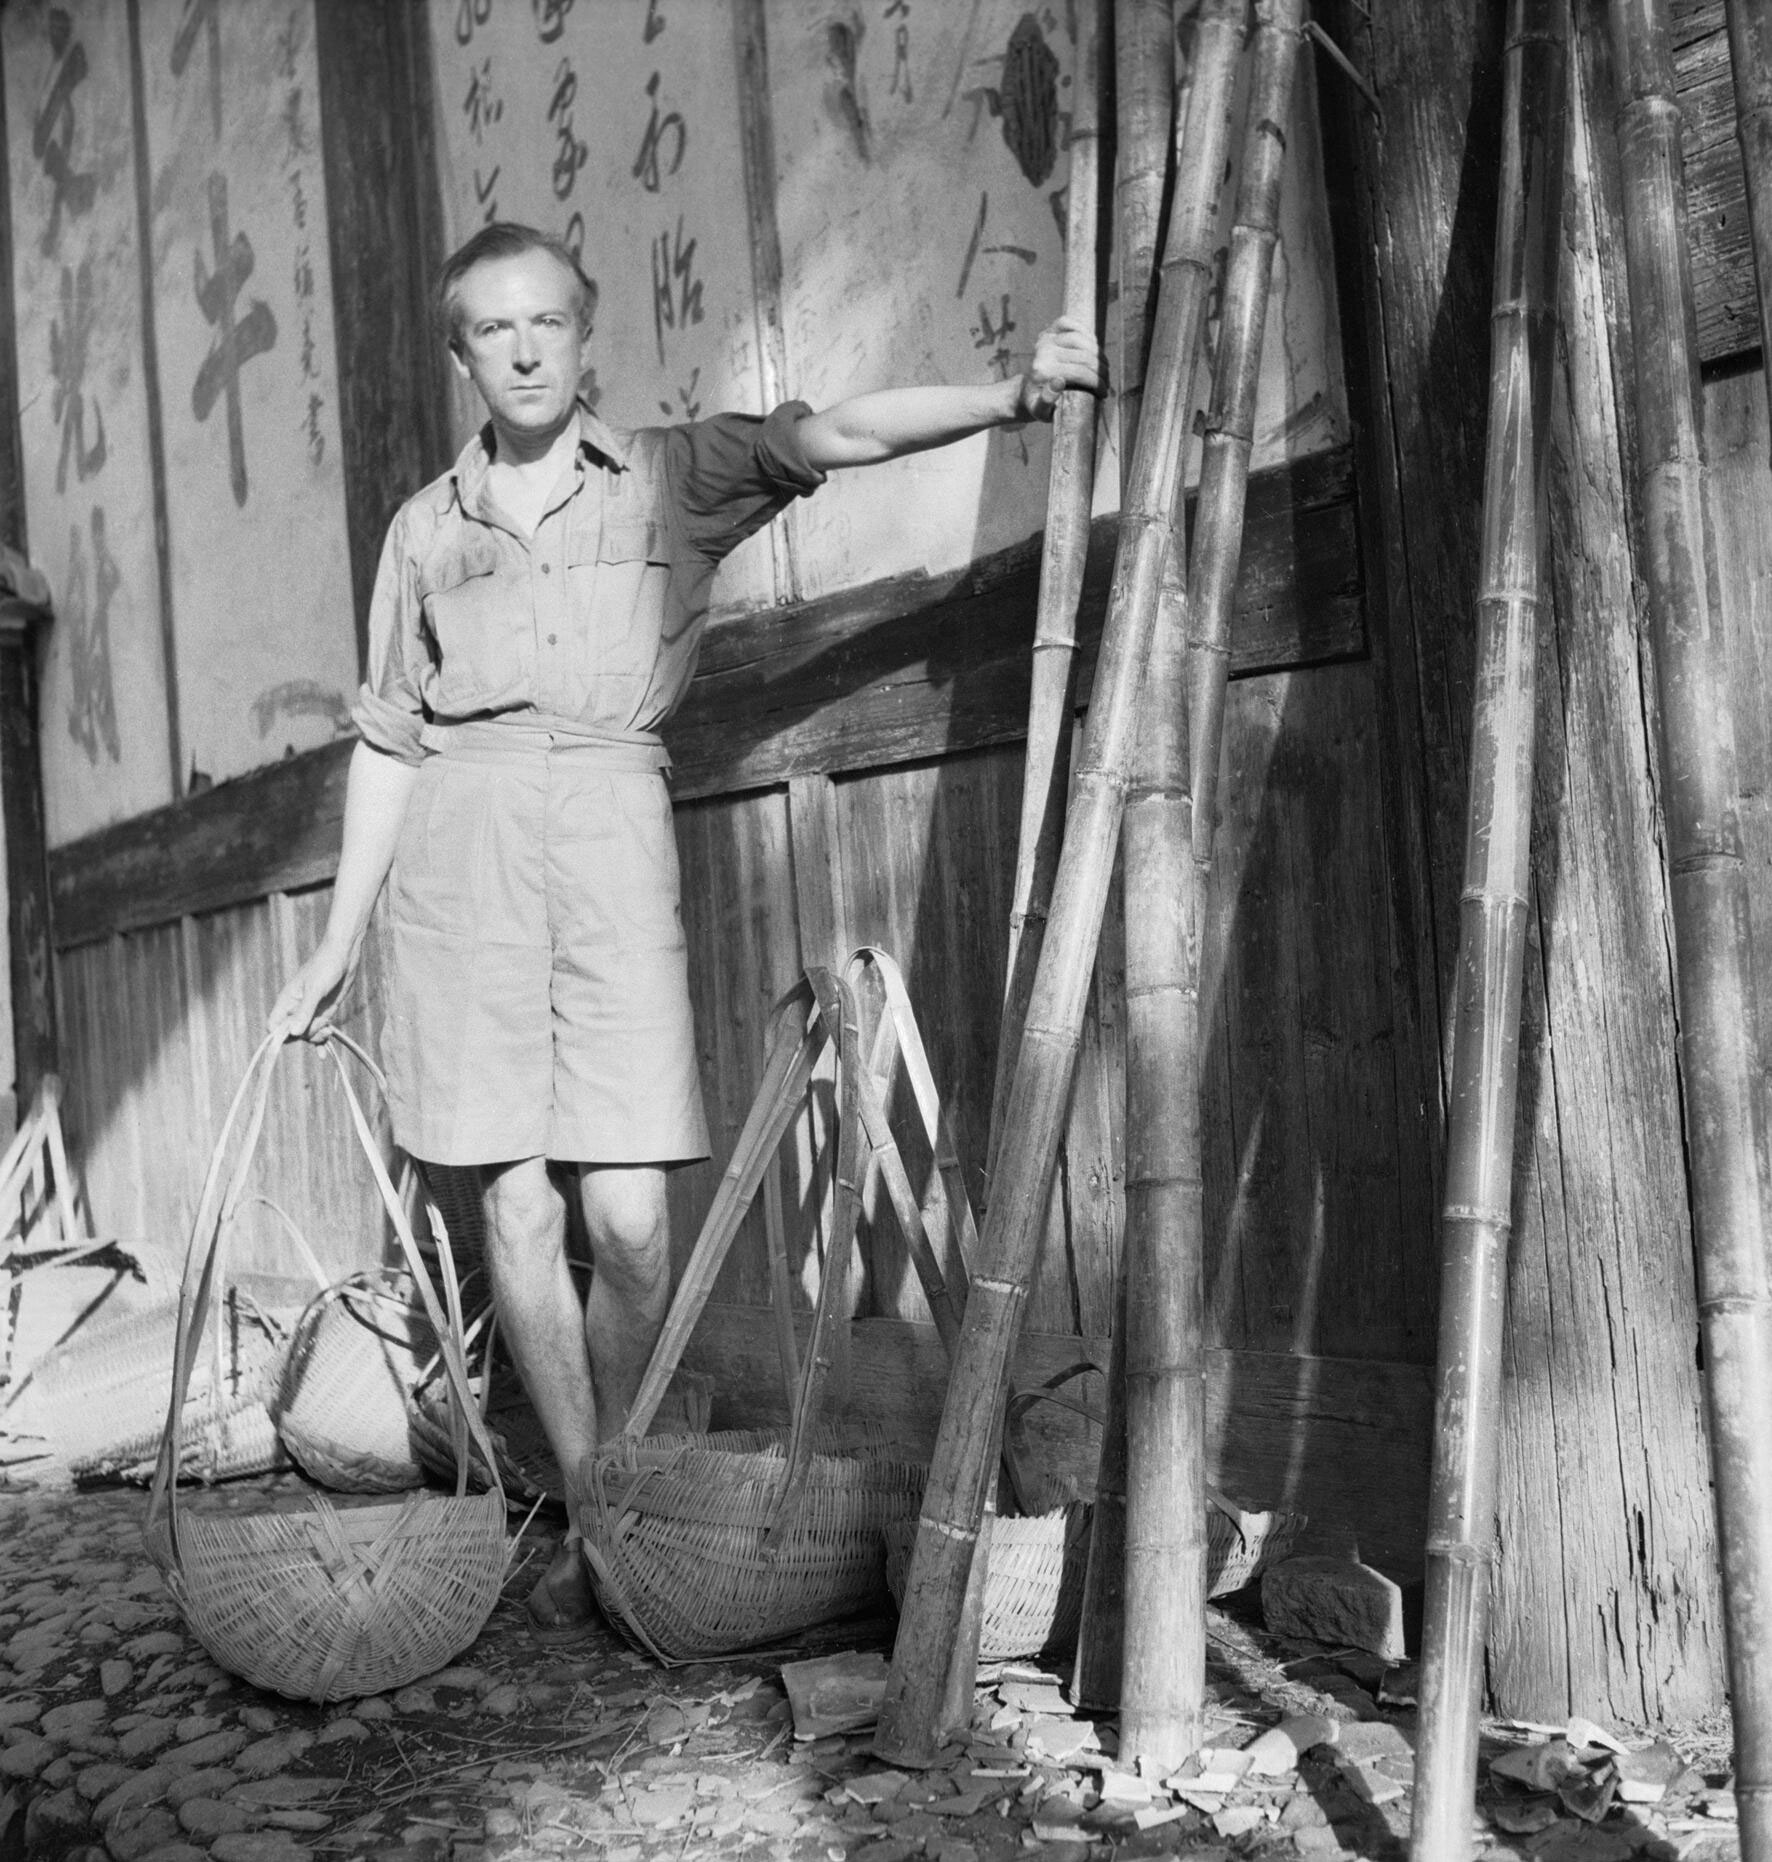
column 504, row 239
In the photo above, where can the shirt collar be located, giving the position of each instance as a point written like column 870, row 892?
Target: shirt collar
column 469, row 470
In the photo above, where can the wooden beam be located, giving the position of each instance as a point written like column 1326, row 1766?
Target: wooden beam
column 384, row 222
column 910, row 667
column 1344, row 1440
column 29, row 971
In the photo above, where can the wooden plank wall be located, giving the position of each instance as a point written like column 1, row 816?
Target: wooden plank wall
column 1605, row 1592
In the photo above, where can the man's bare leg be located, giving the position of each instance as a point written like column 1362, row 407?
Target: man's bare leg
column 538, row 1313
column 627, row 1219
column 581, row 1372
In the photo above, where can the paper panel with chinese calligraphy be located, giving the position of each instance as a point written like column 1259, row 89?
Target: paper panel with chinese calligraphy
column 615, row 124
column 243, row 291
column 921, row 169
column 88, row 488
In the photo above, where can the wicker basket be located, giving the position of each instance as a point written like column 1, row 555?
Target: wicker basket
column 700, row 1545
column 311, row 1600
column 1033, row 1596
column 678, row 1537
column 104, row 1391
column 341, row 1401
column 526, row 1465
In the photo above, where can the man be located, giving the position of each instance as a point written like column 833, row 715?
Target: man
column 535, row 620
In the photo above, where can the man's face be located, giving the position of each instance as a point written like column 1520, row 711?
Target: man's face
column 519, row 342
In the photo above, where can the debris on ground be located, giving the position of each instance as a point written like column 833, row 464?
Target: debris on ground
column 120, row 1741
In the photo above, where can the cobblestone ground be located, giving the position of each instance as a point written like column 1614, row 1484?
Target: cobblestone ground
column 119, row 1738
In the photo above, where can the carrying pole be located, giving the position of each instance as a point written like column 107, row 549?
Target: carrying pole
column 1477, row 1218
column 965, row 1448
column 1145, row 108
column 1707, row 879
column 1750, row 56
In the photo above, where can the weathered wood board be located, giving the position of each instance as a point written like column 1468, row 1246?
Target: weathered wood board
column 88, row 481
column 1612, row 1608
column 1343, row 1440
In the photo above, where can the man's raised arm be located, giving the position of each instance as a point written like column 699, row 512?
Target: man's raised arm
column 886, row 424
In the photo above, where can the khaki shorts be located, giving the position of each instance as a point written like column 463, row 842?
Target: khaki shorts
column 538, row 1001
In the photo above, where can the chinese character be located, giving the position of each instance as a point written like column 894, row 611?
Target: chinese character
column 655, row 23
column 52, row 134
column 236, row 342
column 288, row 45
column 676, row 291
column 550, row 18
column 646, row 168
column 484, row 196
column 201, row 16
column 468, row 15
column 299, row 205
column 572, row 154
column 995, row 338
column 1025, row 253
column 480, row 107
column 311, row 426
column 70, row 337
column 689, row 403
column 92, row 703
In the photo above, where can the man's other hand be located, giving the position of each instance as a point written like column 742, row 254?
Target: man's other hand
column 1066, row 355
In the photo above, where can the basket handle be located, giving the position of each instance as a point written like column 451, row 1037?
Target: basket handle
column 465, row 1418
column 830, row 1318
column 205, row 1253
column 797, row 1034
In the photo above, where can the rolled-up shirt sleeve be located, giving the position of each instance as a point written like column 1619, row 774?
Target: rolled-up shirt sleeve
column 731, row 474
column 389, row 712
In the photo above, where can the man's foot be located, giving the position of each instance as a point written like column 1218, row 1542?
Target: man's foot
column 562, row 1596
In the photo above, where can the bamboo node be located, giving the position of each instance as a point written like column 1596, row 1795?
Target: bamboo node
column 945, row 1529
column 1492, row 1215
column 1457, row 1552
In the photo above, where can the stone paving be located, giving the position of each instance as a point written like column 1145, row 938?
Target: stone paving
column 120, row 1739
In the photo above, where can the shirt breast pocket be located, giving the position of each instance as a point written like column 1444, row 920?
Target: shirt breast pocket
column 483, row 640
column 619, row 584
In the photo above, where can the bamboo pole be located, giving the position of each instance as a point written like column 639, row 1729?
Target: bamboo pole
column 1707, row 880
column 1230, row 421
column 1163, row 1672
column 1477, row 1217
column 1750, row 56
column 1070, row 489
column 1145, row 108
column 965, row 1448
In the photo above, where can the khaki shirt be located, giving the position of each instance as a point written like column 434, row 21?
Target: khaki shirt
column 596, row 619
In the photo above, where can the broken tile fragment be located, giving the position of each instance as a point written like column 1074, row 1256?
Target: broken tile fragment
column 1644, row 1776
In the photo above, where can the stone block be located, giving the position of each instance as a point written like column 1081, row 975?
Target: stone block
column 1334, row 1600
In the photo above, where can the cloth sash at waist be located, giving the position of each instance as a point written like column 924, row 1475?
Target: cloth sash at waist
column 536, row 734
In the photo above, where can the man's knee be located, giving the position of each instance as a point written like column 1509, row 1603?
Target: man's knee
column 524, row 1208
column 628, row 1222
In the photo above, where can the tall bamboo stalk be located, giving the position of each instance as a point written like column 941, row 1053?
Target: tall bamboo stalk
column 1230, row 421
column 1707, row 880
column 1477, row 1217
column 965, row 1448
column 1163, row 1675
column 1070, row 488
column 1750, row 54
column 1145, row 108
column 1163, row 1687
